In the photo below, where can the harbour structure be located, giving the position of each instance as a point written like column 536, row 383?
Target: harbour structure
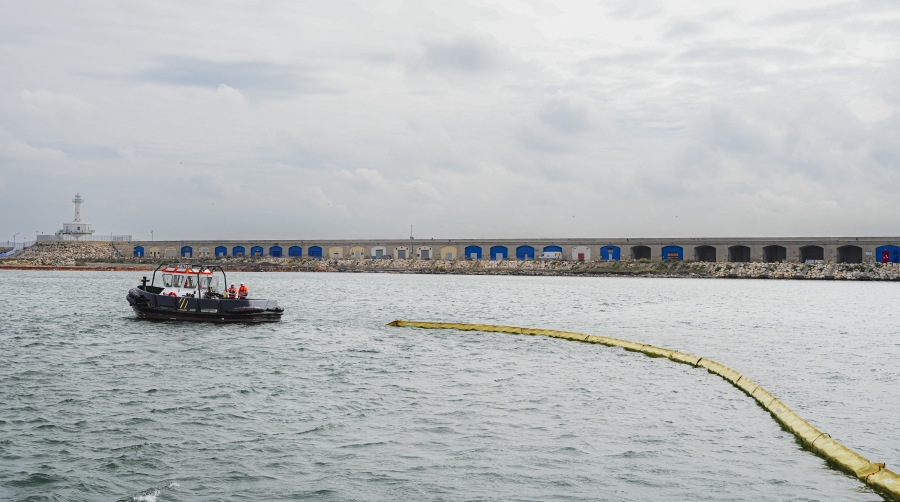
column 713, row 249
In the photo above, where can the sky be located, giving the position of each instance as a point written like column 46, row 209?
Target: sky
column 478, row 119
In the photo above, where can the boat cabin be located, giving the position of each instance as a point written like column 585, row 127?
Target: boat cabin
column 187, row 280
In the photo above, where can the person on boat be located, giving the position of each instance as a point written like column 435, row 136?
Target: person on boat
column 232, row 292
column 243, row 292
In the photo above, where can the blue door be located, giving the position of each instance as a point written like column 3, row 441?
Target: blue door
column 238, row 251
column 499, row 253
column 552, row 249
column 139, row 251
column 887, row 254
column 315, row 252
column 473, row 252
column 186, row 251
column 610, row 253
column 256, row 251
column 524, row 253
column 221, row 251
column 275, row 251
column 672, row 253
column 295, row 251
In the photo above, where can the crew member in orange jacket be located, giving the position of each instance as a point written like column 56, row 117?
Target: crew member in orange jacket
column 243, row 291
column 232, row 292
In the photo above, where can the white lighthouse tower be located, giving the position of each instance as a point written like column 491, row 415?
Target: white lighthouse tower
column 76, row 228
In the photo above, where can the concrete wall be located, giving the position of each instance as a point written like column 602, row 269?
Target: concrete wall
column 438, row 248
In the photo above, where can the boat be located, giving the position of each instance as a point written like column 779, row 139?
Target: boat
column 193, row 293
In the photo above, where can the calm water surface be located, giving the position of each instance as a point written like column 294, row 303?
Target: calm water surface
column 331, row 404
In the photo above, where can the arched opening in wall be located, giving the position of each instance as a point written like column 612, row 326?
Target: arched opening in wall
column 139, row 251
column 849, row 254
column 611, row 253
column 774, row 254
column 315, row 252
column 357, row 252
column 887, row 254
column 672, row 253
column 499, row 253
column 581, row 253
column 812, row 254
column 186, row 251
column 552, row 252
column 256, row 251
column 705, row 253
column 221, row 251
column 402, row 253
column 335, row 252
column 739, row 254
column 170, row 252
column 524, row 253
column 295, row 252
column 379, row 252
column 237, row 251
column 640, row 253
column 154, row 252
column 473, row 252
column 448, row 253
column 275, row 251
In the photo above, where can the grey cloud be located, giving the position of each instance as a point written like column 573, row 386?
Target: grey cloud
column 244, row 75
column 636, row 9
column 685, row 28
column 711, row 53
column 461, row 55
column 566, row 114
column 837, row 11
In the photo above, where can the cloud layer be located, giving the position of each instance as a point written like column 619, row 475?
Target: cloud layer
column 504, row 119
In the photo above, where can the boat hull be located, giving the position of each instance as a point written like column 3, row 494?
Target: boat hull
column 156, row 307
column 175, row 315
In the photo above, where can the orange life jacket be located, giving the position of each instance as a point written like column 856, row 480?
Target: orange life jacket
column 243, row 291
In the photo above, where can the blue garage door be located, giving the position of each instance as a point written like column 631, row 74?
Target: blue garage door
column 139, row 251
column 256, row 251
column 473, row 252
column 238, row 251
column 499, row 253
column 610, row 253
column 315, row 252
column 295, row 251
column 275, row 251
column 672, row 253
column 524, row 253
column 221, row 251
column 887, row 254
column 552, row 249
column 186, row 251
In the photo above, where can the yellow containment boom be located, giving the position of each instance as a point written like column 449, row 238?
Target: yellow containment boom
column 882, row 480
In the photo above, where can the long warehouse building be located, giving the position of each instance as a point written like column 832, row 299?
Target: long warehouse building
column 771, row 250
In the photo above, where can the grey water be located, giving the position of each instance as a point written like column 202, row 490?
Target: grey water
column 332, row 404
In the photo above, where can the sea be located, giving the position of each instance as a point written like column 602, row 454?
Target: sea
column 332, row 404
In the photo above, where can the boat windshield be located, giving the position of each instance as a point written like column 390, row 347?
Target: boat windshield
column 167, row 280
column 178, row 281
column 204, row 281
column 190, row 281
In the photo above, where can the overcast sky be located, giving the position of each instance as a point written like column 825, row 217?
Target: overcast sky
column 344, row 119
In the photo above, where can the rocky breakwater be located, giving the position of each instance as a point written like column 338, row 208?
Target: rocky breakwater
column 62, row 254
column 105, row 256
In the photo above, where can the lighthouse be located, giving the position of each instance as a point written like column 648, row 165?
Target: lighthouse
column 76, row 228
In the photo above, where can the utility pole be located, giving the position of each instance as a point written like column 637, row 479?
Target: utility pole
column 410, row 232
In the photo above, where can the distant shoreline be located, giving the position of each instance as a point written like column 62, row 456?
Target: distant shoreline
column 663, row 269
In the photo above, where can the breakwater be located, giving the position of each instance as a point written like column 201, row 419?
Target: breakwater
column 105, row 256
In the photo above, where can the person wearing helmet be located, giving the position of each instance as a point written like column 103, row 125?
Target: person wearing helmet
column 243, row 291
column 232, row 292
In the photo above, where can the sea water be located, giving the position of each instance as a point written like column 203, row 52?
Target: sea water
column 332, row 404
